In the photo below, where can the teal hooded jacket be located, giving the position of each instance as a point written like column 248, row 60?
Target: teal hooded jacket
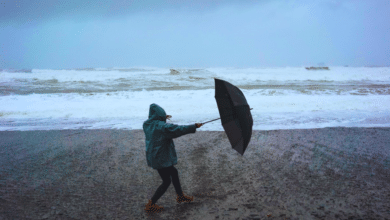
column 160, row 149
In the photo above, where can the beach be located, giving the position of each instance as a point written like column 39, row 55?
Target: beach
column 324, row 173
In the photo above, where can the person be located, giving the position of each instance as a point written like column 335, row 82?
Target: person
column 161, row 153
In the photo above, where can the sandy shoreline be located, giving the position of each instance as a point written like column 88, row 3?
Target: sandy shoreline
column 329, row 173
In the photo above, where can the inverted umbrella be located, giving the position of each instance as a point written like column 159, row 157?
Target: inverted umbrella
column 235, row 114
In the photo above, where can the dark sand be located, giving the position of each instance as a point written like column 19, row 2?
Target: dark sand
column 330, row 173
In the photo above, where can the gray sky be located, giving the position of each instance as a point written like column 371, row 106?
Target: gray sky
column 57, row 34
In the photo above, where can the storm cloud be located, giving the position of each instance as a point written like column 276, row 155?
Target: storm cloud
column 75, row 34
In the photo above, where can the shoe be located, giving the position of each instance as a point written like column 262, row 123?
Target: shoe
column 184, row 198
column 153, row 208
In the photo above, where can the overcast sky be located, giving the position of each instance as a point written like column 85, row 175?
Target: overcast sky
column 61, row 34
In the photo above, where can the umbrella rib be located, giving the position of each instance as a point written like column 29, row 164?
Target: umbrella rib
column 219, row 118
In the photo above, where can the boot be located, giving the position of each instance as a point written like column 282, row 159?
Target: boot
column 183, row 198
column 153, row 208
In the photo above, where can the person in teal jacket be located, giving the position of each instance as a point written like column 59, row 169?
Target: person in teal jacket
column 161, row 153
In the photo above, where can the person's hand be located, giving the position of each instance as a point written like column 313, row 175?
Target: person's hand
column 169, row 116
column 198, row 125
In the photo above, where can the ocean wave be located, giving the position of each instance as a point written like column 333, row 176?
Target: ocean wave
column 133, row 70
column 16, row 70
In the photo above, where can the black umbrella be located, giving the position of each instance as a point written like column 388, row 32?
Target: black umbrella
column 235, row 114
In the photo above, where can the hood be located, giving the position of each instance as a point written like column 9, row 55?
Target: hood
column 157, row 113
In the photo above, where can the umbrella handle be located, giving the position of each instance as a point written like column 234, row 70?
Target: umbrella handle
column 217, row 119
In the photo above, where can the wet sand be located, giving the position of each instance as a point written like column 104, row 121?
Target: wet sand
column 329, row 173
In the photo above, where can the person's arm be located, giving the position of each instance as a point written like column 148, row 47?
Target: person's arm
column 171, row 131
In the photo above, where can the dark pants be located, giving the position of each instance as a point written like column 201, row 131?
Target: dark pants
column 166, row 174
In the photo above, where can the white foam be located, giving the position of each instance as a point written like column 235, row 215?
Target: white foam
column 192, row 106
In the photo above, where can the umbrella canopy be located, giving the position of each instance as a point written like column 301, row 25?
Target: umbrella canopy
column 235, row 114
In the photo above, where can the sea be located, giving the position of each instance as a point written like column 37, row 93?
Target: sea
column 119, row 98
